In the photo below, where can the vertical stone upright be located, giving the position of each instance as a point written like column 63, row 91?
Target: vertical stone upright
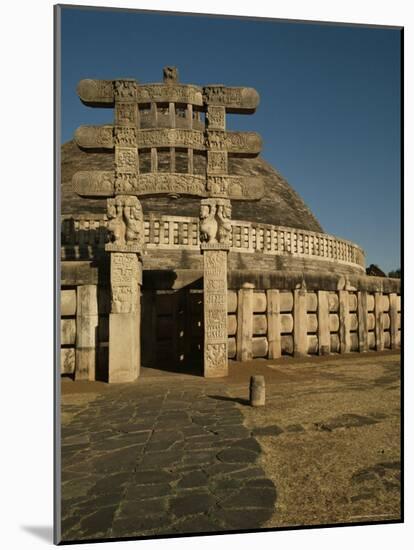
column 300, row 341
column 215, row 313
column 379, row 322
column 393, row 320
column 324, row 336
column 344, row 322
column 245, row 322
column 126, row 225
column 215, row 237
column 273, row 324
column 86, row 329
column 363, row 320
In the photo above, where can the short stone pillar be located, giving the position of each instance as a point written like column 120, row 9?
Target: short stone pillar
column 379, row 322
column 300, row 340
column 245, row 322
column 324, row 335
column 393, row 320
column 126, row 226
column 273, row 324
column 344, row 322
column 363, row 321
column 257, row 391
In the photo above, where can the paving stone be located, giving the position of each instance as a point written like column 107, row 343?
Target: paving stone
column 205, row 420
column 231, row 432
column 199, row 457
column 245, row 519
column 120, row 441
column 67, row 524
column 98, row 523
column 198, row 524
column 248, row 443
column 81, row 439
column 100, row 501
column 294, row 428
column 193, row 431
column 193, row 503
column 346, row 421
column 108, row 483
column 260, row 497
column 171, row 424
column 161, row 459
column 268, row 430
column 148, row 491
column 167, row 445
column 136, row 426
column 118, row 460
column 248, row 473
column 147, row 507
column 136, row 526
column 161, row 435
column 237, row 455
column 174, row 415
column 196, row 478
column 222, row 469
column 259, row 482
column 148, row 477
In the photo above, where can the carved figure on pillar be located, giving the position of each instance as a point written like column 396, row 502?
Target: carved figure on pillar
column 215, row 226
column 126, row 224
column 116, row 224
column 208, row 222
column 224, row 228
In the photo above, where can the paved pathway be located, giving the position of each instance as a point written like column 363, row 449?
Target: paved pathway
column 176, row 454
column 161, row 461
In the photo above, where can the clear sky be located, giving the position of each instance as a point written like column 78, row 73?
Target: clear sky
column 329, row 113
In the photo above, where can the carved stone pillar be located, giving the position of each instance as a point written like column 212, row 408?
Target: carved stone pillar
column 126, row 226
column 215, row 235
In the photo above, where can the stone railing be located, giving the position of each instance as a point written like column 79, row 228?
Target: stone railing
column 83, row 236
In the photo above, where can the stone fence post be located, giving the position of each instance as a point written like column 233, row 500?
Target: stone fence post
column 86, row 329
column 245, row 322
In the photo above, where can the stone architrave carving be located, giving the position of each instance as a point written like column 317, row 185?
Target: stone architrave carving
column 125, row 90
column 126, row 160
column 215, row 224
column 216, row 117
column 216, row 162
column 125, row 225
column 234, row 99
column 93, row 137
column 171, row 137
column 99, row 183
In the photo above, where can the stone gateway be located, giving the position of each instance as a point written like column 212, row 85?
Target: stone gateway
column 182, row 248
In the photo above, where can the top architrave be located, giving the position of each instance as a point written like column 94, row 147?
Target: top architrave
column 100, row 93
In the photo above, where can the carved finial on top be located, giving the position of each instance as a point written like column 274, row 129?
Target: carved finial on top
column 170, row 75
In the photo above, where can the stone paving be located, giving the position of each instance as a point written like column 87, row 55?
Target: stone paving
column 176, row 454
column 161, row 461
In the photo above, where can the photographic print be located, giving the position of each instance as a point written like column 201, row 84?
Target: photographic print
column 228, row 209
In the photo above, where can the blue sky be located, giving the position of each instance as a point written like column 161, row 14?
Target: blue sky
column 329, row 113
